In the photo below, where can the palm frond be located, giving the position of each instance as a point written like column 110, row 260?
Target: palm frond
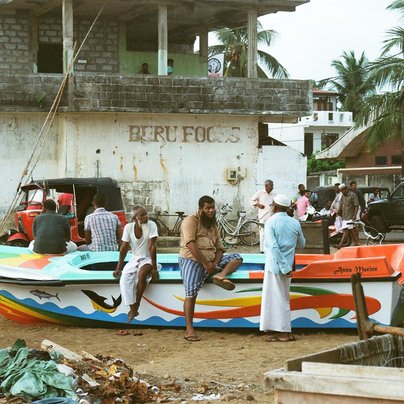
column 274, row 67
column 234, row 44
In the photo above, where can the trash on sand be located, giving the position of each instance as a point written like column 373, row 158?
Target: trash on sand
column 202, row 397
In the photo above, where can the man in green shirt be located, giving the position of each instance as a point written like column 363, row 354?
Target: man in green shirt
column 51, row 232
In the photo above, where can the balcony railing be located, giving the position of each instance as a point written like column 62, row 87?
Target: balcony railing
column 325, row 118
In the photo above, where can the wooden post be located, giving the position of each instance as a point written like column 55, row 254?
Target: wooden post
column 67, row 18
column 68, row 48
column 362, row 318
column 34, row 43
column 366, row 327
column 252, row 44
column 203, row 46
column 402, row 131
column 162, row 41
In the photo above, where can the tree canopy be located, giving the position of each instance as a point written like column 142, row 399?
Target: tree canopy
column 383, row 112
column 353, row 81
column 234, row 46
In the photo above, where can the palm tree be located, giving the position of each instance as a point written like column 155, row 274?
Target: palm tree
column 234, row 45
column 353, row 81
column 383, row 113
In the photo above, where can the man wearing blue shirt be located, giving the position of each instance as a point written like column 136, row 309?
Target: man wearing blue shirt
column 282, row 235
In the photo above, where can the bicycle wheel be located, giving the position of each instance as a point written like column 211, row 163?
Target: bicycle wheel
column 232, row 225
column 160, row 228
column 250, row 232
column 177, row 227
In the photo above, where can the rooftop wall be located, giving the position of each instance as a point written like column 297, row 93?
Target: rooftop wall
column 276, row 99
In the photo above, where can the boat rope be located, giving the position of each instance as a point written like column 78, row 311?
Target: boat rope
column 43, row 133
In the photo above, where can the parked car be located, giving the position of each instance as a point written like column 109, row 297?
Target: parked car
column 82, row 191
column 388, row 213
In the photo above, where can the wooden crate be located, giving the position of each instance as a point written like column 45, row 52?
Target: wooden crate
column 316, row 235
column 367, row 371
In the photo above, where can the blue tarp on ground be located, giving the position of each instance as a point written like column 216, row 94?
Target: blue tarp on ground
column 32, row 378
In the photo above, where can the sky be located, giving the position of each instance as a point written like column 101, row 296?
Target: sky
column 321, row 30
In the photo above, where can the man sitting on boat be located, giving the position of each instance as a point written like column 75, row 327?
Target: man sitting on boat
column 102, row 229
column 140, row 236
column 201, row 255
column 51, row 232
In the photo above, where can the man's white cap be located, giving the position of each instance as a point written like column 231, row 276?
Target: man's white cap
column 282, row 200
column 342, row 186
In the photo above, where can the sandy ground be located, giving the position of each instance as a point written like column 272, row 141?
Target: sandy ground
column 231, row 363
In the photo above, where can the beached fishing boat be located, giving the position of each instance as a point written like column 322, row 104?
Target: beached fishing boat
column 79, row 289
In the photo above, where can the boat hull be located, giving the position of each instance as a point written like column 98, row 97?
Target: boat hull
column 313, row 305
column 91, row 298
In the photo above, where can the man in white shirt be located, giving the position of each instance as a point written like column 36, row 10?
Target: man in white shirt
column 335, row 206
column 140, row 236
column 263, row 200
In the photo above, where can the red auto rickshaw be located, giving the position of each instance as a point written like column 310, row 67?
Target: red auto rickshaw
column 82, row 191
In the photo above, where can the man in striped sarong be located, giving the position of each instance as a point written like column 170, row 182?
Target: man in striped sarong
column 201, row 255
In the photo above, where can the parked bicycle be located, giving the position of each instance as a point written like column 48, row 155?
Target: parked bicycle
column 371, row 234
column 235, row 231
column 162, row 220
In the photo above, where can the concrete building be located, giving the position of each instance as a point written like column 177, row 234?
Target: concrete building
column 166, row 139
column 380, row 167
column 319, row 130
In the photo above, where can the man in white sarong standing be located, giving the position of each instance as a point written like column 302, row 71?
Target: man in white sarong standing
column 282, row 235
column 263, row 200
column 140, row 236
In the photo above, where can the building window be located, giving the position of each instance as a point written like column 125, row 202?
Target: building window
column 50, row 58
column 396, row 159
column 330, row 117
column 381, row 160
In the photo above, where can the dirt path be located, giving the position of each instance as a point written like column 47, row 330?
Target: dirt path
column 231, row 363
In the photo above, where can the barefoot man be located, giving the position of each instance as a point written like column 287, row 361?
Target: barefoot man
column 282, row 235
column 201, row 255
column 140, row 236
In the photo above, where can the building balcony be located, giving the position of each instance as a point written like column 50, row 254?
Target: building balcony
column 276, row 100
column 329, row 118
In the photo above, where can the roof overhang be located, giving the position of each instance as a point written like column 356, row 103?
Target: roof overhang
column 186, row 18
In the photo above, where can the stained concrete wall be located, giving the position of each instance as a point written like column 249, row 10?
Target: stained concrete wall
column 18, row 140
column 164, row 161
column 275, row 100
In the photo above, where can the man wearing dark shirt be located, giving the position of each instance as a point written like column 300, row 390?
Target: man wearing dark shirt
column 51, row 232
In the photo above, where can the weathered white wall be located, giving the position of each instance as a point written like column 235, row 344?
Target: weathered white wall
column 289, row 134
column 18, row 136
column 165, row 161
column 285, row 166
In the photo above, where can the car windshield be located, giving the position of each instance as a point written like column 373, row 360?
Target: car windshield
column 35, row 195
column 398, row 193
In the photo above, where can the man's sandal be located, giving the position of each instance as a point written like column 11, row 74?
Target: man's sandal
column 191, row 338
